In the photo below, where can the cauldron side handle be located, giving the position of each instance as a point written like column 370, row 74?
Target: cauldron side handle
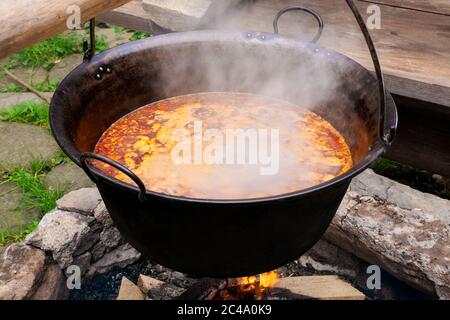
column 90, row 155
column 305, row 9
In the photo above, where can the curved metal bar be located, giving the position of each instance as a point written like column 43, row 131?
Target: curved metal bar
column 90, row 51
column 387, row 135
column 89, row 155
column 298, row 8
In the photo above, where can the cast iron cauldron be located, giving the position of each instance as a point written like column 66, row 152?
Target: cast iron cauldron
column 220, row 238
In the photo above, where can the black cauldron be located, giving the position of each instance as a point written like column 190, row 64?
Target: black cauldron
column 220, row 238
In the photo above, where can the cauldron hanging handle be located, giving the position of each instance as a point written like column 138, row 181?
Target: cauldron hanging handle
column 387, row 133
column 299, row 8
column 90, row 155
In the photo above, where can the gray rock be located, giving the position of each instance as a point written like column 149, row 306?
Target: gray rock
column 83, row 262
column 101, row 215
column 13, row 214
column 97, row 251
column 110, row 237
column 53, row 285
column 10, row 99
column 409, row 240
column 64, row 67
column 60, row 233
column 119, row 257
column 21, row 270
column 67, row 177
column 177, row 15
column 83, row 201
column 23, row 143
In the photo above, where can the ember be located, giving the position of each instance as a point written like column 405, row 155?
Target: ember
column 248, row 288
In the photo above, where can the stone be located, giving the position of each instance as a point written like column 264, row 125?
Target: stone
column 23, row 144
column 400, row 229
column 146, row 283
column 83, row 262
column 129, row 291
column 97, row 251
column 177, row 15
column 67, row 177
column 101, row 215
column 60, row 233
column 10, row 99
column 22, row 268
column 64, row 67
column 29, row 75
column 13, row 214
column 110, row 237
column 185, row 15
column 82, row 201
column 119, row 257
column 53, row 285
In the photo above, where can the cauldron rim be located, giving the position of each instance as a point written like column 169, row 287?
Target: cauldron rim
column 201, row 36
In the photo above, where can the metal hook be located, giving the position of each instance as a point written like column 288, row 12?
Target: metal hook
column 386, row 134
column 90, row 51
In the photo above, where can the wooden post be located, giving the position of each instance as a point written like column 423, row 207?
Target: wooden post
column 26, row 22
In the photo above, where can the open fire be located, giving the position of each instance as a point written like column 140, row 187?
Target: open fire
column 247, row 288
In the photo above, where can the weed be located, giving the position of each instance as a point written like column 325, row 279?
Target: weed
column 28, row 112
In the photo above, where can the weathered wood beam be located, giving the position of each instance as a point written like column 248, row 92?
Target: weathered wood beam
column 26, row 22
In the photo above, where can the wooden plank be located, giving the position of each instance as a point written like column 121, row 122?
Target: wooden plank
column 423, row 137
column 414, row 57
column 317, row 287
column 26, row 22
column 418, row 52
column 132, row 16
column 433, row 6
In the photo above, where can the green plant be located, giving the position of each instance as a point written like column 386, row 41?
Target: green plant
column 101, row 43
column 35, row 193
column 416, row 178
column 60, row 158
column 137, row 35
column 47, row 86
column 118, row 30
column 47, row 53
column 13, row 88
column 28, row 112
column 9, row 235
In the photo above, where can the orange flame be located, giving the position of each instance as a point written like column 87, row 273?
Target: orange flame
column 252, row 287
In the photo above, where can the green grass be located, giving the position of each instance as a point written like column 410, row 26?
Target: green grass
column 118, row 30
column 35, row 193
column 13, row 88
column 9, row 236
column 137, row 35
column 28, row 112
column 416, row 178
column 49, row 52
column 47, row 86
